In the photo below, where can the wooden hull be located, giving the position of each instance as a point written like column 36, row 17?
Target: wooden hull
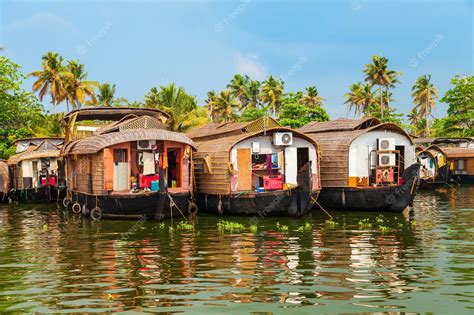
column 40, row 194
column 431, row 184
column 151, row 205
column 463, row 179
column 391, row 199
column 292, row 203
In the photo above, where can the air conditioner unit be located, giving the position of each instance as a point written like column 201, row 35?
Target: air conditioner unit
column 386, row 144
column 387, row 159
column 283, row 138
column 255, row 147
column 146, row 144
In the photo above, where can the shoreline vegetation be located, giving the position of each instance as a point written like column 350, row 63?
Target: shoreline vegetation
column 61, row 81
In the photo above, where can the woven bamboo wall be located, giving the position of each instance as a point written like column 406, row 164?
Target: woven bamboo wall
column 219, row 181
column 86, row 173
column 5, row 175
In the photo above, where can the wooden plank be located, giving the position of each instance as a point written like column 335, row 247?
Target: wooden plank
column 244, row 165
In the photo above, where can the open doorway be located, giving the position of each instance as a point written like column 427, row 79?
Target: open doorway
column 302, row 155
column 174, row 167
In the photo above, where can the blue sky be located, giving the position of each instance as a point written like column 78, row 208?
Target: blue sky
column 200, row 44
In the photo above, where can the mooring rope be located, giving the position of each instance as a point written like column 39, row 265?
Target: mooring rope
column 173, row 204
column 316, row 202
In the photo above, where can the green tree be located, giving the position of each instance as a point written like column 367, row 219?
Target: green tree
column 251, row 114
column 377, row 73
column 211, row 103
column 238, row 87
column 271, row 93
column 460, row 98
column 106, row 95
column 417, row 122
column 77, row 85
column 360, row 98
column 295, row 115
column 424, row 94
column 252, row 92
column 180, row 106
column 20, row 111
column 51, row 79
column 311, row 98
column 226, row 106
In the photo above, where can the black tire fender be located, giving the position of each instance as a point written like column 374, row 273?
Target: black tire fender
column 96, row 214
column 76, row 208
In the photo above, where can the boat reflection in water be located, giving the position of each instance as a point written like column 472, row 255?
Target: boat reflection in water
column 364, row 262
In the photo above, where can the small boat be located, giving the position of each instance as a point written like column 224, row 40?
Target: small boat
column 365, row 165
column 4, row 181
column 434, row 172
column 37, row 170
column 132, row 167
column 256, row 168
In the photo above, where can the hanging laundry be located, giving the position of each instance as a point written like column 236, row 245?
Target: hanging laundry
column 27, row 168
column 148, row 163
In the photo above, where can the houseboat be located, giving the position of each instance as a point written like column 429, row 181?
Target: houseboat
column 434, row 172
column 37, row 170
column 365, row 165
column 460, row 161
column 125, row 163
column 4, row 180
column 256, row 168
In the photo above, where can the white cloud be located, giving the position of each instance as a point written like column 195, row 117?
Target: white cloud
column 43, row 20
column 249, row 65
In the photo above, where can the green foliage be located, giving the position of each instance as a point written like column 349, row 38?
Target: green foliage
column 179, row 105
column 21, row 114
column 295, row 115
column 460, row 98
column 229, row 226
column 251, row 114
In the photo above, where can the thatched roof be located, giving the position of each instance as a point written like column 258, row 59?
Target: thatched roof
column 96, row 143
column 216, row 130
column 6, row 176
column 334, row 151
column 457, row 152
column 340, row 124
column 38, row 139
column 36, row 148
column 33, row 154
column 225, row 144
column 112, row 113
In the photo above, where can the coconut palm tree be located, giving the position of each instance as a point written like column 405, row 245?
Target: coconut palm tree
column 361, row 98
column 106, row 95
column 424, row 94
column 252, row 92
column 311, row 98
column 237, row 87
column 77, row 85
column 51, row 78
column 211, row 103
column 181, row 107
column 226, row 106
column 377, row 73
column 415, row 120
column 271, row 93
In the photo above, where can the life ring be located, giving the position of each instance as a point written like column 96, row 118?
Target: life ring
column 76, row 208
column 96, row 214
column 192, row 208
column 66, row 202
column 85, row 211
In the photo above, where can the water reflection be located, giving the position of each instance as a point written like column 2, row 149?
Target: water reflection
column 418, row 261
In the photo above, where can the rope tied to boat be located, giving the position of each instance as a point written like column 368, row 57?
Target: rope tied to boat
column 316, row 202
column 173, row 204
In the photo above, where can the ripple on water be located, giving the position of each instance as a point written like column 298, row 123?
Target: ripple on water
column 56, row 262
